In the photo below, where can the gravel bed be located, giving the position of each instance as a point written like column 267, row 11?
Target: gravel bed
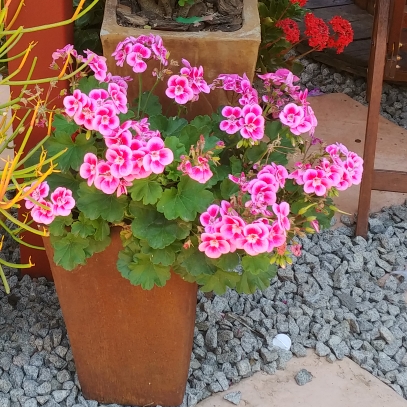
column 317, row 76
column 330, row 300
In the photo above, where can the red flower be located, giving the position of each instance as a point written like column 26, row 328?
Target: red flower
column 290, row 29
column 317, row 32
column 301, row 3
column 343, row 34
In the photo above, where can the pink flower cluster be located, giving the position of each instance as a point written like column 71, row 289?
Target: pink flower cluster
column 99, row 110
column 137, row 51
column 248, row 119
column 287, row 102
column 128, row 157
column 61, row 203
column 187, row 86
column 339, row 168
column 226, row 231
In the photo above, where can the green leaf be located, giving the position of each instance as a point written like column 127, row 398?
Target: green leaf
column 142, row 272
column 82, row 229
column 69, row 251
column 97, row 246
column 150, row 105
column 196, row 263
column 147, row 190
column 89, row 83
column 58, row 225
column 166, row 256
column 152, row 226
column 189, row 136
column 94, row 203
column 64, row 125
column 218, row 282
column 75, row 150
column 67, row 180
column 273, row 129
column 228, row 188
column 175, row 146
column 158, row 122
column 254, row 153
column 189, row 20
column 256, row 264
column 249, row 283
column 102, row 229
column 186, row 201
column 174, row 126
column 236, row 164
column 227, row 262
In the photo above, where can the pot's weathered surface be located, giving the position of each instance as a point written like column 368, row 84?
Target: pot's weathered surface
column 130, row 346
column 218, row 52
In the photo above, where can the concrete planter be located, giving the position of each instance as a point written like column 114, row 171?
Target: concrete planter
column 130, row 346
column 218, row 52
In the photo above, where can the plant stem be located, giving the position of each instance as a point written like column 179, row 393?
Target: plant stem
column 149, row 94
column 4, row 280
column 140, row 92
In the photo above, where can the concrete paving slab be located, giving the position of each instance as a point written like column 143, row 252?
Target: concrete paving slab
column 339, row 384
column 342, row 119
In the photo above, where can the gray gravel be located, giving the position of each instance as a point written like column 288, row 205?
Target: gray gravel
column 329, row 300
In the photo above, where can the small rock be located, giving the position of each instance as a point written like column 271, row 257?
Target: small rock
column 321, row 349
column 386, row 334
column 233, row 397
column 244, row 368
column 60, row 395
column 303, row 377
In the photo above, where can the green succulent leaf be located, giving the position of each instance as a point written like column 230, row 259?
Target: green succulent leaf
column 75, row 150
column 94, row 203
column 147, row 190
column 140, row 271
column 186, row 201
column 248, row 282
column 218, row 282
column 59, row 224
column 152, row 226
column 69, row 251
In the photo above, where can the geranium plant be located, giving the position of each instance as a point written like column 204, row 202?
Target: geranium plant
column 213, row 199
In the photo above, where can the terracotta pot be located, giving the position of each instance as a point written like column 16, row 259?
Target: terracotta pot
column 218, row 52
column 35, row 13
column 130, row 346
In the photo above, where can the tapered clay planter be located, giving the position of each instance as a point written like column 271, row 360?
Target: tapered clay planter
column 130, row 346
column 218, row 52
column 35, row 13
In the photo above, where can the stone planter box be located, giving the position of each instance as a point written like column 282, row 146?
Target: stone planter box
column 218, row 52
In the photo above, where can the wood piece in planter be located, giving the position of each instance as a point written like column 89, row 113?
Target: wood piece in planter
column 198, row 9
column 151, row 6
column 168, row 25
column 230, row 7
column 196, row 27
column 218, row 19
column 125, row 14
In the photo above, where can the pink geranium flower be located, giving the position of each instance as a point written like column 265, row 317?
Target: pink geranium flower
column 39, row 193
column 296, row 250
column 104, row 180
column 120, row 160
column 282, row 211
column 231, row 125
column 136, row 56
column 157, row 156
column 262, row 192
column 252, row 122
column 292, row 115
column 86, row 115
column 62, row 201
column 73, row 103
column 105, row 120
column 119, row 98
column 200, row 172
column 214, row 245
column 139, row 171
column 99, row 96
column 232, row 227
column 97, row 64
column 254, row 240
column 195, row 78
column 277, row 236
column 179, row 89
column 209, row 218
column 315, row 182
column 88, row 170
column 41, row 215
